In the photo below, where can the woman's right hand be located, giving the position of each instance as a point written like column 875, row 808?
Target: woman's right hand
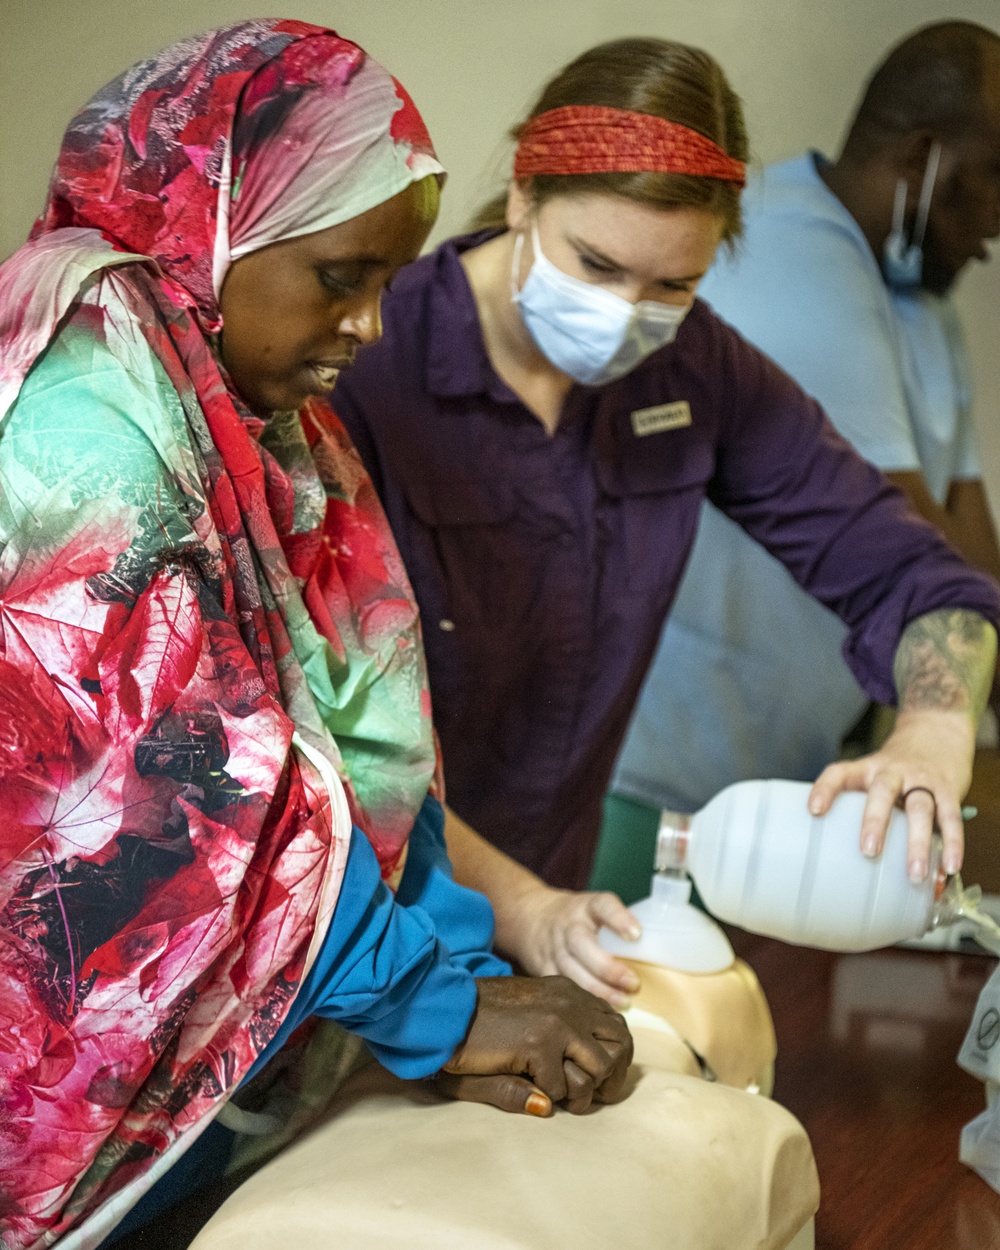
column 535, row 1041
column 557, row 934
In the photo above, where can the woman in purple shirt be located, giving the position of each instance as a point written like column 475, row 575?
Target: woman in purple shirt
column 542, row 429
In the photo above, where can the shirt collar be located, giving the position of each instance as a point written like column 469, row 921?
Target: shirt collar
column 457, row 363
column 798, row 180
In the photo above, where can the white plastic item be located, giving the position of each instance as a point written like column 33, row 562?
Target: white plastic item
column 761, row 861
column 674, row 934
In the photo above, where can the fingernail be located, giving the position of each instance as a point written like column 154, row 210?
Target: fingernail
column 918, row 870
column 870, row 847
column 634, row 933
column 952, row 863
column 537, row 1104
column 624, row 1004
column 633, row 985
column 815, row 806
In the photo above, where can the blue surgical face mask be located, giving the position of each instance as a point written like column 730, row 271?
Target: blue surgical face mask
column 902, row 262
column 590, row 334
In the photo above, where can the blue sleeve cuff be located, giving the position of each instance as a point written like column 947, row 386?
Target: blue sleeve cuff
column 463, row 918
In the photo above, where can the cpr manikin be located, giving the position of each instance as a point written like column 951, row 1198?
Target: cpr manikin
column 705, row 1162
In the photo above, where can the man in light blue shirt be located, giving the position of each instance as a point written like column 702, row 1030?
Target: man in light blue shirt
column 749, row 680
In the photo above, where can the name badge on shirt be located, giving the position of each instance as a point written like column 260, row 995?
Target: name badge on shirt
column 662, row 417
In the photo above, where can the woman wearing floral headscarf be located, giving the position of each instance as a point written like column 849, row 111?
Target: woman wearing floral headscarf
column 210, row 662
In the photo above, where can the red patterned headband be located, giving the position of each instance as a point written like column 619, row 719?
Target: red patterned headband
column 592, row 139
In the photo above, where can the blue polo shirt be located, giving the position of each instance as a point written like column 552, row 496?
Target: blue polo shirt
column 749, row 678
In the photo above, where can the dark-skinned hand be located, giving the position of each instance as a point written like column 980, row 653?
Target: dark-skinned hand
column 535, row 1041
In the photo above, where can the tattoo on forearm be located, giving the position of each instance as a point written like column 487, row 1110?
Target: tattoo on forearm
column 945, row 660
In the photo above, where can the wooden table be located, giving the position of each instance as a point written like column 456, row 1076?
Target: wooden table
column 866, row 1060
column 982, row 835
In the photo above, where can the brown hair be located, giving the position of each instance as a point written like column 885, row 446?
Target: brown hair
column 656, row 76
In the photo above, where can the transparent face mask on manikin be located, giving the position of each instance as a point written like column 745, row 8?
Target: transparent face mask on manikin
column 592, row 335
column 902, row 262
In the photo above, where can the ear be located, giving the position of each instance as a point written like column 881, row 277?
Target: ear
column 519, row 203
column 911, row 155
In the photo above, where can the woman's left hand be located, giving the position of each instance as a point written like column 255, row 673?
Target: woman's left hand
column 557, row 936
column 537, row 1041
column 927, row 763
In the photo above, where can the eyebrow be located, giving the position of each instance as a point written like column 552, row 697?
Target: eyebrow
column 604, row 259
column 360, row 262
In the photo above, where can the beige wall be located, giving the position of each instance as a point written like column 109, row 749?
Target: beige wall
column 474, row 65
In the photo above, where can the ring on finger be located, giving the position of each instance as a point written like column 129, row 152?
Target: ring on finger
column 917, row 790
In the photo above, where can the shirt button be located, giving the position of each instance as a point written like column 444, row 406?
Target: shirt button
column 446, row 625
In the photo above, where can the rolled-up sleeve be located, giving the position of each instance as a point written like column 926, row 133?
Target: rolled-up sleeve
column 845, row 534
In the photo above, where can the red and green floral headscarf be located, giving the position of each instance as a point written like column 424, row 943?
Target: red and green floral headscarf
column 210, row 661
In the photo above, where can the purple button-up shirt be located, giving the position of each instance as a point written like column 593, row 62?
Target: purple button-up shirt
column 544, row 566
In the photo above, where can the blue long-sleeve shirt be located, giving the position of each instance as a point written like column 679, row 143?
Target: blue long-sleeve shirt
column 400, row 971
